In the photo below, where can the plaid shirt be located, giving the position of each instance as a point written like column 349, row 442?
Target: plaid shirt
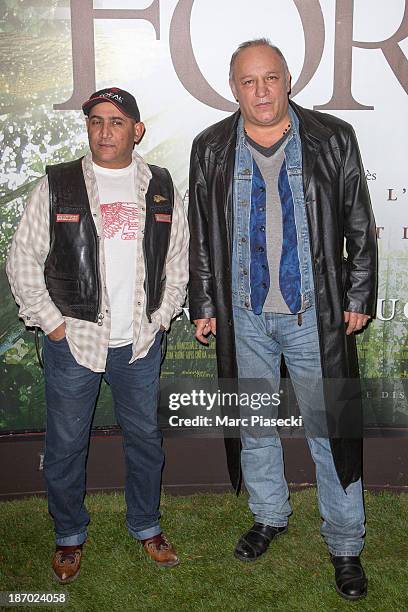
column 89, row 341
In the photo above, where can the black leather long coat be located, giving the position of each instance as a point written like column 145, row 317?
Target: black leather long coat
column 339, row 214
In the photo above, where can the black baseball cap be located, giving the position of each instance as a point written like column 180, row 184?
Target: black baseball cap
column 120, row 98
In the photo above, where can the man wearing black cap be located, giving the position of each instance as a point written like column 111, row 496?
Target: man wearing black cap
column 99, row 263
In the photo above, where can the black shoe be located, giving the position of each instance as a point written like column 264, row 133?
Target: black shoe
column 255, row 542
column 351, row 581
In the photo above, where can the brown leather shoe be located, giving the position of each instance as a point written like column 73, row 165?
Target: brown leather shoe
column 161, row 551
column 66, row 563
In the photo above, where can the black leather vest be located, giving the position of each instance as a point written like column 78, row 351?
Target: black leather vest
column 72, row 266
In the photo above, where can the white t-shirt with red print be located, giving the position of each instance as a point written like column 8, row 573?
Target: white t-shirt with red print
column 120, row 220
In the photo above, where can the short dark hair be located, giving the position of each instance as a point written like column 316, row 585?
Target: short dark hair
column 257, row 42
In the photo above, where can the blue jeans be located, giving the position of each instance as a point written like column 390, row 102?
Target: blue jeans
column 260, row 342
column 71, row 392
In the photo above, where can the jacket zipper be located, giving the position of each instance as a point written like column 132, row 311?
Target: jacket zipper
column 146, row 283
column 100, row 315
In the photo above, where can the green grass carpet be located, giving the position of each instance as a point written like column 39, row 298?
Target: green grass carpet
column 295, row 574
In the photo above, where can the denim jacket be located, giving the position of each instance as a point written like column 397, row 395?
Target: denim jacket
column 248, row 264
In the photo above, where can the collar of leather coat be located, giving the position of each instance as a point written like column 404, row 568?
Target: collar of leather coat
column 223, row 135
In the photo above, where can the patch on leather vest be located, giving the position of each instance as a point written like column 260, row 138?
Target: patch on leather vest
column 162, row 217
column 61, row 218
column 159, row 198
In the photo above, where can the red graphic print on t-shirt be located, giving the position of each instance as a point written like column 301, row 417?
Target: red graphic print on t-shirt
column 120, row 217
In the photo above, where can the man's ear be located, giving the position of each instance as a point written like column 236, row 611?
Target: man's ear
column 289, row 82
column 139, row 130
column 233, row 89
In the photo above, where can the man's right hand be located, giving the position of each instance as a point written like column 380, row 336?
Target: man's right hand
column 58, row 333
column 204, row 327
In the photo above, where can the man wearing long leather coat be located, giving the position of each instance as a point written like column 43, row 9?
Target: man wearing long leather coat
column 337, row 213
